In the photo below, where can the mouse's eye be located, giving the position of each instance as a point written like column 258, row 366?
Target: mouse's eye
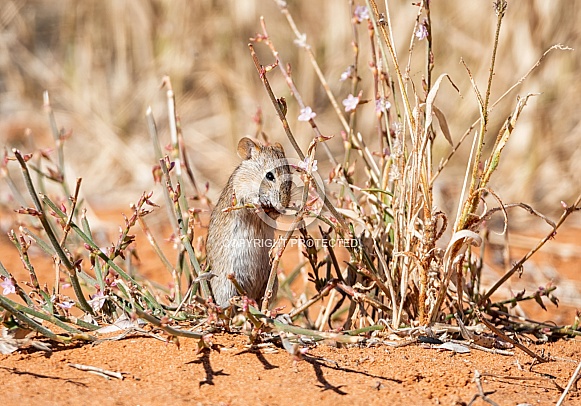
column 270, row 176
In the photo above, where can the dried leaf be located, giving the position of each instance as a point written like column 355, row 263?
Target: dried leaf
column 8, row 346
column 539, row 301
column 123, row 323
column 443, row 125
column 432, row 96
column 458, row 348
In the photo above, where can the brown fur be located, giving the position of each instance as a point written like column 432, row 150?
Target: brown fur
column 239, row 241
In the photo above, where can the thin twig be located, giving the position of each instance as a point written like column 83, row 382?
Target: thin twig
column 99, row 371
column 480, row 393
column 568, row 211
column 510, row 340
column 572, row 381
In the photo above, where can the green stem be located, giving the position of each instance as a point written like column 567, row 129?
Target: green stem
column 182, row 228
column 51, row 236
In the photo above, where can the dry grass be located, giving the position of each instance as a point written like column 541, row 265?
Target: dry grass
column 102, row 62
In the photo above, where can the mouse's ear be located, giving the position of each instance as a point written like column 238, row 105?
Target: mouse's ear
column 278, row 146
column 247, row 148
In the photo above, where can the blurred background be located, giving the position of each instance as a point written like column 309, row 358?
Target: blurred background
column 102, row 62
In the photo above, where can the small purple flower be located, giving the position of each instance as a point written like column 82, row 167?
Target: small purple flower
column 350, row 103
column 8, row 287
column 347, row 74
column 97, row 301
column 422, row 32
column 307, row 114
column 67, row 304
column 361, row 13
column 305, row 164
column 382, row 105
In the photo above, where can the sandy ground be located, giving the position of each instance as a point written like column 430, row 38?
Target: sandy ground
column 158, row 373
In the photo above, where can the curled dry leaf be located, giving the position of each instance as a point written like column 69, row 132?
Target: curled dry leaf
column 443, row 125
column 431, row 109
column 457, row 348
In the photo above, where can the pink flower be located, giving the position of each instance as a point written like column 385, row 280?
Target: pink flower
column 350, row 103
column 305, row 164
column 382, row 105
column 97, row 301
column 422, row 32
column 307, row 114
column 67, row 304
column 347, row 74
column 361, row 13
column 8, row 287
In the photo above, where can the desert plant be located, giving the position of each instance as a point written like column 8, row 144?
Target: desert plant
column 400, row 270
column 377, row 210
